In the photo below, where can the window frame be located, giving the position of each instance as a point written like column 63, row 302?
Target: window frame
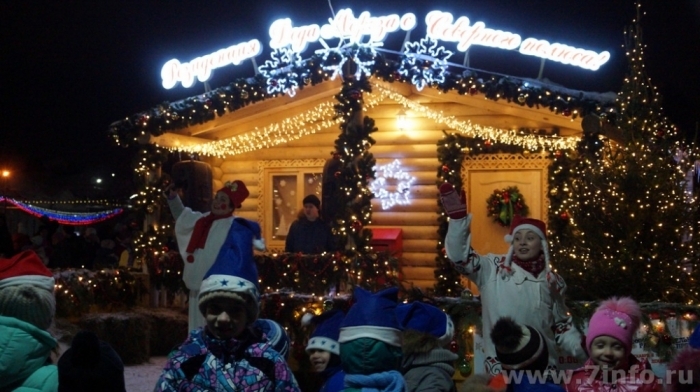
column 267, row 171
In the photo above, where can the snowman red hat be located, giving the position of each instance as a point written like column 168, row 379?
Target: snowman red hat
column 536, row 226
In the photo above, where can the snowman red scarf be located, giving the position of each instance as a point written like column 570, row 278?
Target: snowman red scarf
column 200, row 234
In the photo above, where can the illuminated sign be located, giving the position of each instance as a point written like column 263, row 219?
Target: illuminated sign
column 343, row 26
column 174, row 71
column 367, row 30
column 442, row 26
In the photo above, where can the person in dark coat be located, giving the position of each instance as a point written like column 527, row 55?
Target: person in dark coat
column 310, row 234
column 90, row 364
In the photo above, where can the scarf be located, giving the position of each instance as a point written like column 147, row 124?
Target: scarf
column 200, row 233
column 534, row 266
column 391, row 381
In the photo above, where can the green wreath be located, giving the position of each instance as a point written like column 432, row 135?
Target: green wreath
column 504, row 204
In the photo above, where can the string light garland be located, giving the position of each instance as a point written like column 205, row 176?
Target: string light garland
column 64, row 218
column 322, row 116
column 530, row 142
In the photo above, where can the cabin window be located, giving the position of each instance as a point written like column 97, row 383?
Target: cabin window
column 285, row 188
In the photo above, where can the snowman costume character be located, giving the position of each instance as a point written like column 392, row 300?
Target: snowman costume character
column 526, row 289
column 201, row 236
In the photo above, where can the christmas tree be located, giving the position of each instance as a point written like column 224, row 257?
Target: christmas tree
column 357, row 169
column 620, row 212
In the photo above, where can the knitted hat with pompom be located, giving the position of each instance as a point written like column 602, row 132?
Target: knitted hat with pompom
column 616, row 317
column 27, row 289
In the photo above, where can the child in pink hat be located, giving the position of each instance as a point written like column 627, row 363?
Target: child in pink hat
column 519, row 284
column 611, row 365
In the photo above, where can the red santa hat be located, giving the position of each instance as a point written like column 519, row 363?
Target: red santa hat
column 236, row 191
column 536, row 226
column 27, row 289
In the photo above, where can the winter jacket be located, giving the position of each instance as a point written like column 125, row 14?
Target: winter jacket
column 335, row 382
column 309, row 237
column 203, row 363
column 370, row 363
column 25, row 357
column 431, row 371
column 529, row 300
column 641, row 379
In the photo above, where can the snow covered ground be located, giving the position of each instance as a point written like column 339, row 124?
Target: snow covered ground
column 142, row 378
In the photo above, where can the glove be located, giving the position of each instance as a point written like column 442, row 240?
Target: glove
column 455, row 205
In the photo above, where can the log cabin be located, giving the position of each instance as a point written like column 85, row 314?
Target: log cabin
column 279, row 147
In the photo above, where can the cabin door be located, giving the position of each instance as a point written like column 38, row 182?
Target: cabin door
column 482, row 175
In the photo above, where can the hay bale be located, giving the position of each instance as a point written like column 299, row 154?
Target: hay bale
column 128, row 333
column 168, row 329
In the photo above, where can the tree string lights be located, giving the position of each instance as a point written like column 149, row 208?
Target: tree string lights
column 357, row 168
column 620, row 214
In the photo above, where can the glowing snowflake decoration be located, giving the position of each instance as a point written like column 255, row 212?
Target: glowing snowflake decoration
column 425, row 62
column 280, row 71
column 403, row 182
column 363, row 55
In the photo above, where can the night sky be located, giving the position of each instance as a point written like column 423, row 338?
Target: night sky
column 70, row 68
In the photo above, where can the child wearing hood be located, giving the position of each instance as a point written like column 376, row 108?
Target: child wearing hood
column 427, row 365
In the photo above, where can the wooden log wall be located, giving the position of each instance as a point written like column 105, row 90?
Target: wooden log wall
column 414, row 146
column 416, row 149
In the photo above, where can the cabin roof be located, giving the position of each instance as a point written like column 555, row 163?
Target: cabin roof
column 243, row 109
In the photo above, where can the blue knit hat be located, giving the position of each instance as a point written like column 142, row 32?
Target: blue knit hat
column 694, row 340
column 276, row 335
column 234, row 273
column 372, row 316
column 327, row 331
column 426, row 318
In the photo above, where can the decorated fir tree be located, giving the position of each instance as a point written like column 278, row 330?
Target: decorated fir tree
column 357, row 169
column 447, row 279
column 620, row 214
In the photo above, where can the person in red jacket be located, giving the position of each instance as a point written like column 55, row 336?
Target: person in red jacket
column 611, row 365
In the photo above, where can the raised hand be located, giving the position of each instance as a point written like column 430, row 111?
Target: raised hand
column 455, row 204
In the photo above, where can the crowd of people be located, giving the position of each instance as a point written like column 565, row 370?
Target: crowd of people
column 69, row 246
column 379, row 344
